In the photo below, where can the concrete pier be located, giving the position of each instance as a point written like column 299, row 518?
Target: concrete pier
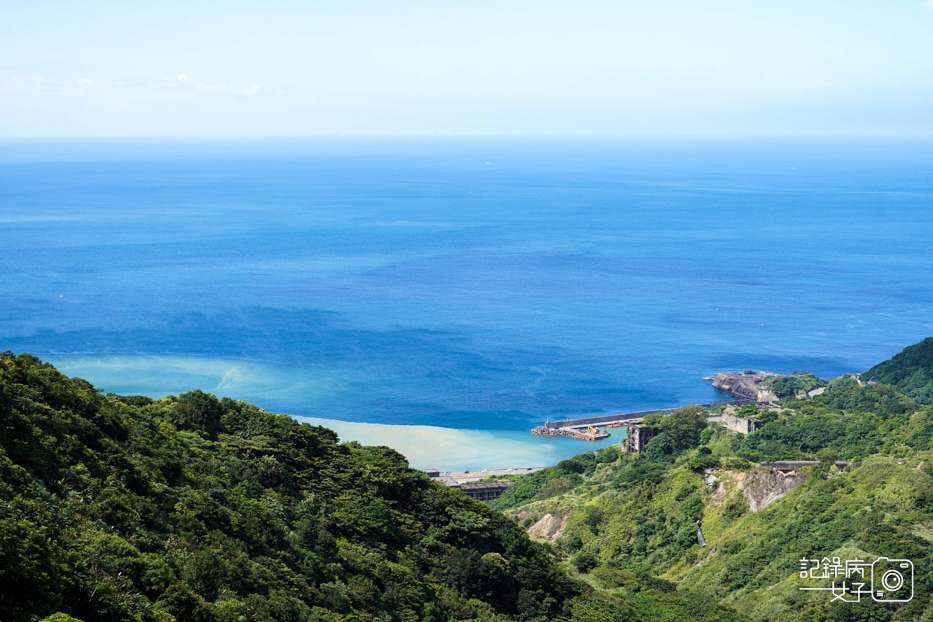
column 578, row 433
column 576, row 428
column 612, row 421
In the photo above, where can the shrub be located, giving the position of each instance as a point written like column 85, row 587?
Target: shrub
column 584, row 562
column 735, row 507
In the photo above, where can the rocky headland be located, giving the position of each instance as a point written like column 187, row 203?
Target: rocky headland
column 744, row 385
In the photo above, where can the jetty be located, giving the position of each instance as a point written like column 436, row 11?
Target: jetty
column 583, row 433
column 585, row 428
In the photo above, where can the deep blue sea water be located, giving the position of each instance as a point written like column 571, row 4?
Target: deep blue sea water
column 473, row 284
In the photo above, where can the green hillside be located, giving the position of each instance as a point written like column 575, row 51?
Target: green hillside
column 910, row 371
column 195, row 509
column 792, row 384
column 623, row 518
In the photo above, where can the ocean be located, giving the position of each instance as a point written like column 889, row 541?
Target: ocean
column 443, row 296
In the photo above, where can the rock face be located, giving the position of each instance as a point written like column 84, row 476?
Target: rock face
column 549, row 526
column 744, row 385
column 760, row 488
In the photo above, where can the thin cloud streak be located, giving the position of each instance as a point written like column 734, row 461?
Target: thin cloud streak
column 18, row 84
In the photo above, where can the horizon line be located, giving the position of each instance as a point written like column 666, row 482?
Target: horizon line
column 458, row 136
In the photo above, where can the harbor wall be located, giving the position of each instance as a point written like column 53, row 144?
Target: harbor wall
column 595, row 421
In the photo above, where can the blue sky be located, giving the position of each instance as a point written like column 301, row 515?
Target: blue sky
column 457, row 67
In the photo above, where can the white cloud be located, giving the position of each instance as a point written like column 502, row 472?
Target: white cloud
column 180, row 85
column 180, row 80
column 225, row 89
column 214, row 88
column 55, row 85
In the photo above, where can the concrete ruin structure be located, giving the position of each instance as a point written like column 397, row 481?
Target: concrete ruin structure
column 738, row 424
column 481, row 491
column 794, row 465
column 638, row 437
column 486, row 491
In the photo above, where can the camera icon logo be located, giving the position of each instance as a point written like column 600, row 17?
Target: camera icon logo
column 892, row 580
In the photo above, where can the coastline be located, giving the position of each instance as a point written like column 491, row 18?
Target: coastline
column 451, row 449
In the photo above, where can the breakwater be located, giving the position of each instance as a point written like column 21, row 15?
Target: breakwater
column 623, row 418
column 579, row 428
column 598, row 435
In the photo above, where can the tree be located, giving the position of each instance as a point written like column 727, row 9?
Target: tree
column 827, row 456
column 659, row 448
column 748, row 411
column 683, row 427
column 199, row 412
column 584, row 562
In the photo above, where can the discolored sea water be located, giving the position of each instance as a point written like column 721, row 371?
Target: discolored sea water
column 469, row 287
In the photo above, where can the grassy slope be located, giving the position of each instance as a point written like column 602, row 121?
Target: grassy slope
column 871, row 511
column 882, row 508
column 644, row 522
column 190, row 508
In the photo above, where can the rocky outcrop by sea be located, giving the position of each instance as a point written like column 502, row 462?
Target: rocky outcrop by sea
column 744, row 385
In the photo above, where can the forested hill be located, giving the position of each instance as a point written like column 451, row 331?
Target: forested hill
column 194, row 509
column 199, row 510
column 623, row 518
column 910, row 371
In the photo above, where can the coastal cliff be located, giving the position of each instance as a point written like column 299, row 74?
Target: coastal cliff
column 744, row 385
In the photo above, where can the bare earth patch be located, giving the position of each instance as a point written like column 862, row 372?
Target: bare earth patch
column 550, row 526
column 760, row 488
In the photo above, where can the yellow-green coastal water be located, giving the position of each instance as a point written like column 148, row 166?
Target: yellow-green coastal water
column 424, row 446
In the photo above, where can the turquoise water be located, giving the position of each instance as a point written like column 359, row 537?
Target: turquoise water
column 480, row 286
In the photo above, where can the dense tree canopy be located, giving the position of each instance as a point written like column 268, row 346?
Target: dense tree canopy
column 191, row 508
column 204, row 510
column 910, row 371
column 792, row 384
